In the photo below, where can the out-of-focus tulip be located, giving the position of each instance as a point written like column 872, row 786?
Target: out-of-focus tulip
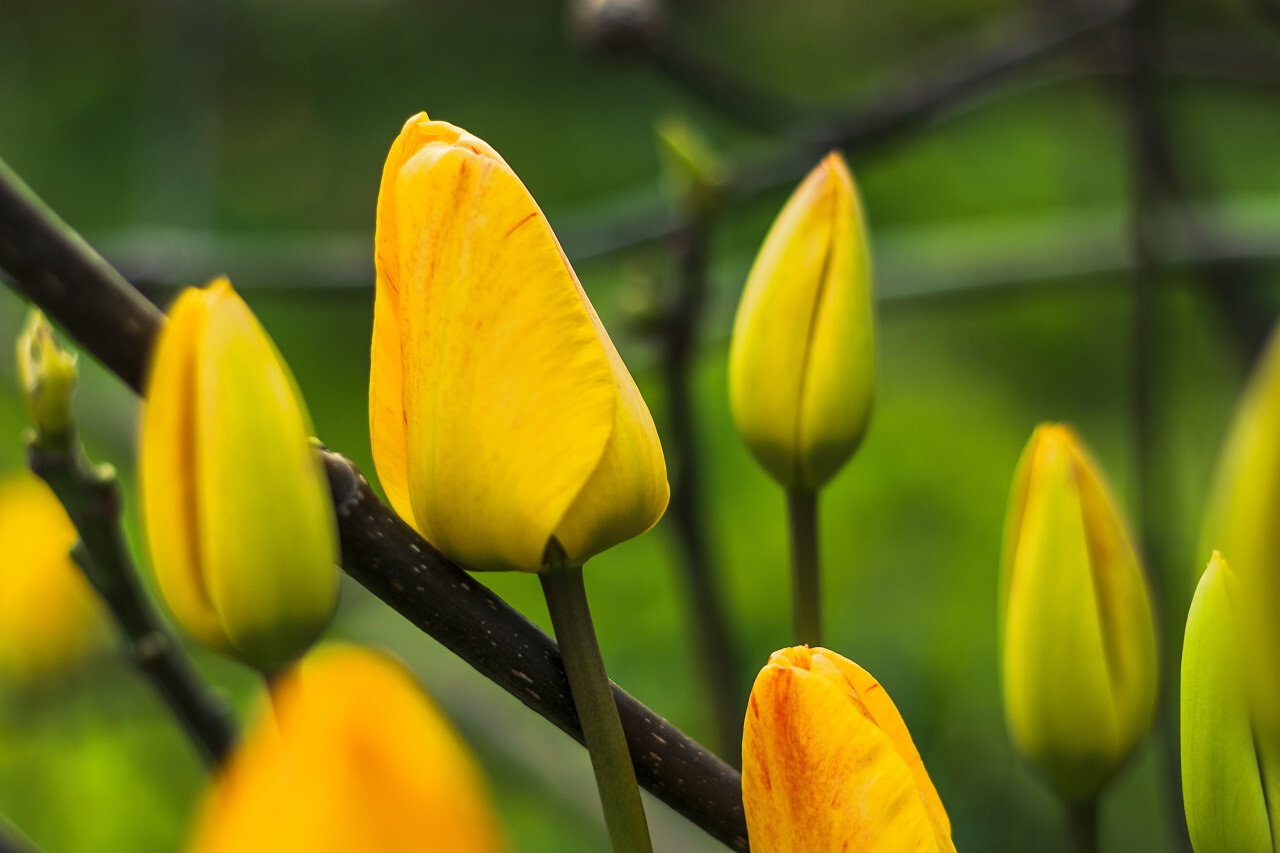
column 236, row 505
column 828, row 763
column 1228, row 764
column 50, row 618
column 349, row 755
column 1078, row 643
column 505, row 427
column 1241, row 520
column 48, row 374
column 801, row 359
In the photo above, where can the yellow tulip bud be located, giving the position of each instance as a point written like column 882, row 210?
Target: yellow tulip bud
column 48, row 374
column 828, row 763
column 349, row 755
column 1245, row 503
column 50, row 618
column 1228, row 763
column 800, row 363
column 504, row 425
column 1078, row 643
column 235, row 501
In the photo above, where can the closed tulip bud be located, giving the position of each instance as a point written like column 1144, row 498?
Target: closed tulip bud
column 1228, row 763
column 48, row 374
column 234, row 499
column 800, row 363
column 504, row 425
column 1078, row 644
column 828, row 763
column 50, row 619
column 350, row 755
column 1245, row 503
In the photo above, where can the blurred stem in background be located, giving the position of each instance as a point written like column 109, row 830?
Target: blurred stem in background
column 91, row 495
column 615, row 777
column 1082, row 826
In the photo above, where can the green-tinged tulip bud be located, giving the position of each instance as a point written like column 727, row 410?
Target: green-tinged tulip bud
column 47, row 371
column 800, row 364
column 1078, row 642
column 1228, row 763
column 695, row 174
column 234, row 498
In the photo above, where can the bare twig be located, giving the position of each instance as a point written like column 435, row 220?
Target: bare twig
column 92, row 499
column 60, row 273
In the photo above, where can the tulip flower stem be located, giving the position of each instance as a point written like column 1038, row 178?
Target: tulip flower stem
column 91, row 495
column 593, row 696
column 1082, row 826
column 806, row 601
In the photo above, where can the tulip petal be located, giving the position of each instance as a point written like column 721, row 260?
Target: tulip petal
column 1057, row 686
column 386, row 384
column 167, row 462
column 820, row 774
column 1225, row 801
column 494, row 306
column 317, row 774
column 261, row 445
column 1128, row 627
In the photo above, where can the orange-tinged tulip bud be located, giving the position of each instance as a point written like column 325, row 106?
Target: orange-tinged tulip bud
column 235, row 501
column 800, row 363
column 349, row 755
column 50, row 618
column 505, row 427
column 828, row 763
column 1078, row 643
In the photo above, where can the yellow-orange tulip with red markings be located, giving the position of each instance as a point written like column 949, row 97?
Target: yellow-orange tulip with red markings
column 828, row 763
column 801, row 359
column 235, row 501
column 1078, row 643
column 348, row 755
column 504, row 425
column 50, row 618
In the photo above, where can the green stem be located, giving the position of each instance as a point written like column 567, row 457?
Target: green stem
column 1082, row 826
column 593, row 696
column 806, row 601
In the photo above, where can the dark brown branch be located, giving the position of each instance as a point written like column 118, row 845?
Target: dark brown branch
column 378, row 549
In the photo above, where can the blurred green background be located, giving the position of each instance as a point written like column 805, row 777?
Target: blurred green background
column 191, row 139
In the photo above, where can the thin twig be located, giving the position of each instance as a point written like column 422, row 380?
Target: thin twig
column 379, row 550
column 92, row 499
column 686, row 512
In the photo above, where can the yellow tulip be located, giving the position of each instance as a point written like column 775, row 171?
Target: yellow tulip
column 504, row 425
column 235, row 501
column 1078, row 644
column 1228, row 764
column 801, row 359
column 349, row 755
column 50, row 618
column 828, row 763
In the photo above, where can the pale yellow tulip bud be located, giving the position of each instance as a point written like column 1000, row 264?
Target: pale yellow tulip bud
column 504, row 425
column 349, row 755
column 801, row 359
column 1078, row 643
column 234, row 498
column 48, row 372
column 1229, row 762
column 1243, row 517
column 828, row 763
column 50, row 618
